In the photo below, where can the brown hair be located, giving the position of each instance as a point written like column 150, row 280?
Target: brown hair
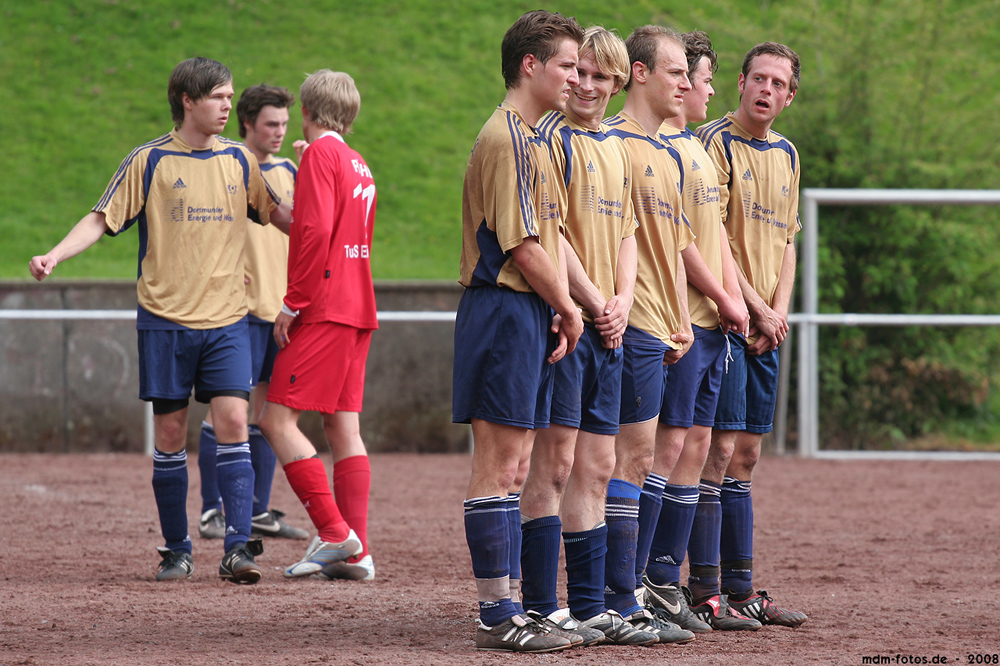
column 255, row 98
column 777, row 50
column 536, row 33
column 644, row 41
column 196, row 78
column 697, row 45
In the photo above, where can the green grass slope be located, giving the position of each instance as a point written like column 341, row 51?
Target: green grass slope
column 84, row 81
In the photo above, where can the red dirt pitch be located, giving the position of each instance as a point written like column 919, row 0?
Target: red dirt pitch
column 893, row 561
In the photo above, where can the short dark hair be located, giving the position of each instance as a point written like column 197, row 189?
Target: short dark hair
column 779, row 51
column 697, row 45
column 536, row 33
column 255, row 98
column 643, row 43
column 197, row 78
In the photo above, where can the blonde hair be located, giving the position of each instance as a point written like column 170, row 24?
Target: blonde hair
column 609, row 52
column 331, row 99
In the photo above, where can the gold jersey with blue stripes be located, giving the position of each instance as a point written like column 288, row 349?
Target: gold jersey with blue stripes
column 191, row 207
column 267, row 247
column 663, row 229
column 759, row 197
column 594, row 167
column 510, row 194
column 701, row 206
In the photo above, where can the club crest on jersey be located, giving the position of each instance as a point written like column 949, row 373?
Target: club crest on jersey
column 784, row 191
column 232, row 189
column 179, row 184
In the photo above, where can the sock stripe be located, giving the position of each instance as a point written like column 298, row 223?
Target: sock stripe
column 165, row 462
column 732, row 485
column 654, row 485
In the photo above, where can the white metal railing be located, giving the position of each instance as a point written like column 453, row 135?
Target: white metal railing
column 147, row 439
column 809, row 320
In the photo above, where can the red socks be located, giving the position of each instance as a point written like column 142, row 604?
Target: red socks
column 352, row 479
column 307, row 477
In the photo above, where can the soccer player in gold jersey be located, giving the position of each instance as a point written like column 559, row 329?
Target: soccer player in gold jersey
column 576, row 452
column 262, row 112
column 758, row 173
column 514, row 278
column 191, row 193
column 659, row 330
column 670, row 493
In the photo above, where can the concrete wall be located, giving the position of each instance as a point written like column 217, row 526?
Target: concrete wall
column 73, row 385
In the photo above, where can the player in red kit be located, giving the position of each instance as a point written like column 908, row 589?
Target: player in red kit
column 324, row 330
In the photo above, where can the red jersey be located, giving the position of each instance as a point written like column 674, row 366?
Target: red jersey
column 329, row 256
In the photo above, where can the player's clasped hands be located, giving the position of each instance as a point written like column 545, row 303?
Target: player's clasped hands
column 612, row 324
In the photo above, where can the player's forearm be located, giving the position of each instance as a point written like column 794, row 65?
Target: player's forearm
column 730, row 279
column 755, row 304
column 281, row 218
column 682, row 292
column 699, row 275
column 84, row 233
column 628, row 266
column 786, row 280
column 543, row 276
column 579, row 284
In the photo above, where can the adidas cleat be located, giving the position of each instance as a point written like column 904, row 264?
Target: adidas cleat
column 761, row 607
column 238, row 565
column 666, row 631
column 175, row 565
column 717, row 613
column 519, row 634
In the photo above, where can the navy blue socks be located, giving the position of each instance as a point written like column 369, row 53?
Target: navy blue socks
column 170, row 488
column 235, row 477
column 487, row 531
column 736, row 545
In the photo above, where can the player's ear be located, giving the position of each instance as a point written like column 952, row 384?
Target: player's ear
column 186, row 101
column 791, row 96
column 528, row 64
column 639, row 71
column 741, row 83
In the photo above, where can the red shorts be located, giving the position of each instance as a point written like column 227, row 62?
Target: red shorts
column 322, row 369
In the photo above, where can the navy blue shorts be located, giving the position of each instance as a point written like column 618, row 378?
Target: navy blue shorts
column 749, row 390
column 263, row 349
column 587, row 390
column 501, row 374
column 643, row 375
column 692, row 390
column 211, row 361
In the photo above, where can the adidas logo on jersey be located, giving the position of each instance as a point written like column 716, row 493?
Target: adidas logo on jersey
column 746, row 175
column 590, row 168
column 543, row 177
column 695, row 166
column 179, row 184
column 649, row 171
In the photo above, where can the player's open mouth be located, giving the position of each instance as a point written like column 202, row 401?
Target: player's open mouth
column 762, row 104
